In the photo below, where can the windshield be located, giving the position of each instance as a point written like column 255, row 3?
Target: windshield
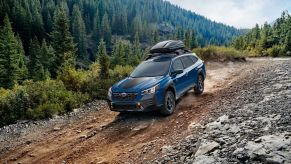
column 152, row 68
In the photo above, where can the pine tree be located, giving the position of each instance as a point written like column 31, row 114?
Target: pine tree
column 188, row 39
column 136, row 52
column 96, row 26
column 48, row 58
column 194, row 41
column 137, row 25
column 155, row 37
column 37, row 21
column 106, row 29
column 104, row 60
column 62, row 41
column 36, row 69
column 79, row 32
column 12, row 64
column 118, row 57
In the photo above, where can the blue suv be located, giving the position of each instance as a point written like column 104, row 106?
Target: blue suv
column 166, row 75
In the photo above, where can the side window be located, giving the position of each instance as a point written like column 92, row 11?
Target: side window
column 187, row 61
column 177, row 65
column 194, row 59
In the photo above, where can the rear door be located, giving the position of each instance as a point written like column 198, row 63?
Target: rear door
column 194, row 70
column 179, row 80
column 189, row 70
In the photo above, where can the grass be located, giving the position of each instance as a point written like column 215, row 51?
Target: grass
column 219, row 54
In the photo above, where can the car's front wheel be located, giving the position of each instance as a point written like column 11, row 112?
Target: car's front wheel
column 169, row 104
column 200, row 85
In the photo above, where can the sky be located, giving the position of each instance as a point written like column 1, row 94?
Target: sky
column 237, row 13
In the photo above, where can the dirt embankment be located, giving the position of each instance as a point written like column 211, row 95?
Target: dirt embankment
column 101, row 136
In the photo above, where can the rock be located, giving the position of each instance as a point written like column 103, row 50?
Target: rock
column 31, row 155
column 166, row 149
column 141, row 127
column 28, row 142
column 83, row 136
column 275, row 160
column 57, row 128
column 194, row 126
column 203, row 159
column 181, row 113
column 268, row 147
column 102, row 162
column 223, row 119
column 206, row 148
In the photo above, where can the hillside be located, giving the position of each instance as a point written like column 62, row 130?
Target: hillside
column 269, row 40
column 44, row 43
column 91, row 20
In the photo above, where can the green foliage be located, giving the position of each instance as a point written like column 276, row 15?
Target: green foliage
column 275, row 51
column 79, row 32
column 105, row 29
column 104, row 60
column 214, row 53
column 36, row 69
column 37, row 100
column 12, row 64
column 120, row 72
column 267, row 40
column 62, row 41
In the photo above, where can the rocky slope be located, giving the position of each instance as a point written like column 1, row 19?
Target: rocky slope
column 253, row 127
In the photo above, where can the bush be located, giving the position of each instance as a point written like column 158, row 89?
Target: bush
column 214, row 53
column 275, row 51
column 37, row 100
column 73, row 79
column 89, row 81
column 120, row 72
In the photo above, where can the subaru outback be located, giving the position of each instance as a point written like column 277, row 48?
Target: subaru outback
column 157, row 83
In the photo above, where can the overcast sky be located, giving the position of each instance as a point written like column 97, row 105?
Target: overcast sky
column 238, row 13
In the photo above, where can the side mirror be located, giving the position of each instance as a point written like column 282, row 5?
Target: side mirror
column 177, row 72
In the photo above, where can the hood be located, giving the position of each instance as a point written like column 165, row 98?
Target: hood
column 136, row 84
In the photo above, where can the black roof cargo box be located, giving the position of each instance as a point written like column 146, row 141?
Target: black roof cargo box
column 167, row 46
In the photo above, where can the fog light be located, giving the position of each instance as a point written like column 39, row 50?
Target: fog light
column 139, row 106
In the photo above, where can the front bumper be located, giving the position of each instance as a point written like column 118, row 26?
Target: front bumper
column 146, row 103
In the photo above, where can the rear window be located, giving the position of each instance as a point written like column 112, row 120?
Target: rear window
column 187, row 61
column 194, row 59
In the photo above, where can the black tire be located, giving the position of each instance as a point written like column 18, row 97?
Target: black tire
column 199, row 89
column 169, row 104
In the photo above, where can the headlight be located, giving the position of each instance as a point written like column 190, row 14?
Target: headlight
column 150, row 90
column 109, row 92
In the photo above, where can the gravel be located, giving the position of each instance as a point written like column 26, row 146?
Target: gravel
column 16, row 134
column 252, row 127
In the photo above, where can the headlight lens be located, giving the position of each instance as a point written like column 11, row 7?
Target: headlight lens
column 150, row 90
column 109, row 92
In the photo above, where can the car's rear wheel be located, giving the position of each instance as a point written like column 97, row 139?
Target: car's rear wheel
column 200, row 85
column 169, row 104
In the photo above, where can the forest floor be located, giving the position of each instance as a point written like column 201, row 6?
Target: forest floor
column 243, row 116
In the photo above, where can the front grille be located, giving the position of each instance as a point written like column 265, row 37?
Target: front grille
column 124, row 96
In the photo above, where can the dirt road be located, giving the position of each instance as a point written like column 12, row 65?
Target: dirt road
column 107, row 137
